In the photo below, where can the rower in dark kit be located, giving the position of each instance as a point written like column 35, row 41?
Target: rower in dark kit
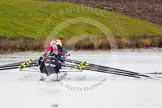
column 55, row 54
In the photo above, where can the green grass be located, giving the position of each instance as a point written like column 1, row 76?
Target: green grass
column 36, row 19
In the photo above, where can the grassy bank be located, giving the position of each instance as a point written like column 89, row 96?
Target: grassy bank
column 149, row 10
column 35, row 20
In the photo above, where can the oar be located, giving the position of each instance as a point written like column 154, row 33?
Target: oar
column 12, row 64
column 100, row 70
column 19, row 67
column 19, row 63
column 98, row 66
column 104, row 67
column 29, row 63
column 114, row 70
